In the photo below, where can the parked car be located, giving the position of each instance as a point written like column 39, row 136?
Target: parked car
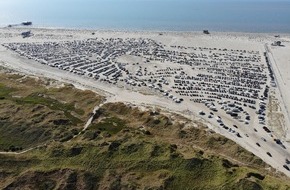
column 201, row 113
column 278, row 141
column 266, row 129
column 286, row 167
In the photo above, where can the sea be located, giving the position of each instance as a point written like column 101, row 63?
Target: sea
column 262, row 16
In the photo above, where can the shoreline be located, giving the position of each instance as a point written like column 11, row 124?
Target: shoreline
column 148, row 31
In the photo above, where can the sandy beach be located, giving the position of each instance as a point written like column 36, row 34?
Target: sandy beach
column 220, row 79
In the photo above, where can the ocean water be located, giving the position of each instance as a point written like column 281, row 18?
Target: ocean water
column 171, row 15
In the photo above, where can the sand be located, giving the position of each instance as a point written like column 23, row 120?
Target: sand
column 280, row 57
column 115, row 93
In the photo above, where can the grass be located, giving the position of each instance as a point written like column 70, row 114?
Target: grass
column 37, row 98
column 25, row 124
column 112, row 125
column 171, row 173
column 5, row 91
column 21, row 136
column 34, row 99
column 134, row 156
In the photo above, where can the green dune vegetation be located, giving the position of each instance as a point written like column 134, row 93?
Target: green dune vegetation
column 123, row 148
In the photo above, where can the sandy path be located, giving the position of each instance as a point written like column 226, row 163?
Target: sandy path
column 89, row 122
column 17, row 153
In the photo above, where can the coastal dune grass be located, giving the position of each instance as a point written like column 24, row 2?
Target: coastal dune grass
column 134, row 161
column 32, row 111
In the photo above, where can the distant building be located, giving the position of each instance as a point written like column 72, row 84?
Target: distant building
column 26, row 23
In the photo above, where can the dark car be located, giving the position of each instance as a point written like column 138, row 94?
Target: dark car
column 201, row 113
column 278, row 141
column 286, row 167
column 258, row 144
column 283, row 146
column 269, row 154
column 266, row 129
column 234, row 114
column 287, row 161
